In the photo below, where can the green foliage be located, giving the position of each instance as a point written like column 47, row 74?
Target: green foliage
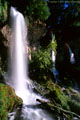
column 38, row 9
column 3, row 11
column 8, row 100
column 41, row 64
column 53, row 44
column 42, row 59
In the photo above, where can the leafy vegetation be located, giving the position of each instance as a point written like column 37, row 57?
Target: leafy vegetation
column 42, row 58
column 41, row 63
column 3, row 11
column 39, row 7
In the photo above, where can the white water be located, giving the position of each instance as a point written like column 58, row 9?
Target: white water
column 19, row 73
column 72, row 59
column 53, row 53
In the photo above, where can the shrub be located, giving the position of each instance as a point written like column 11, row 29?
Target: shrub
column 41, row 63
column 39, row 7
column 3, row 11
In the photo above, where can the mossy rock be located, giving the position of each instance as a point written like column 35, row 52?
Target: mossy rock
column 74, row 100
column 74, row 106
column 58, row 95
column 64, row 101
column 8, row 101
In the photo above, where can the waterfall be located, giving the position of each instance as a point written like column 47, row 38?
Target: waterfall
column 19, row 72
column 72, row 59
column 18, row 59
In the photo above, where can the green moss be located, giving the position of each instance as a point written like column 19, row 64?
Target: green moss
column 58, row 95
column 73, row 100
column 8, row 100
column 74, row 106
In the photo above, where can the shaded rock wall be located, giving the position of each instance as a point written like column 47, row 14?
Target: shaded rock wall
column 71, row 36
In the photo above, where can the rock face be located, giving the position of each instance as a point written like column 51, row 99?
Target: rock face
column 8, row 101
column 35, row 32
column 6, row 32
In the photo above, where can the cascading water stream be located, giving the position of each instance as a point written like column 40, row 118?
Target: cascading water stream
column 19, row 73
column 72, row 59
column 54, row 70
